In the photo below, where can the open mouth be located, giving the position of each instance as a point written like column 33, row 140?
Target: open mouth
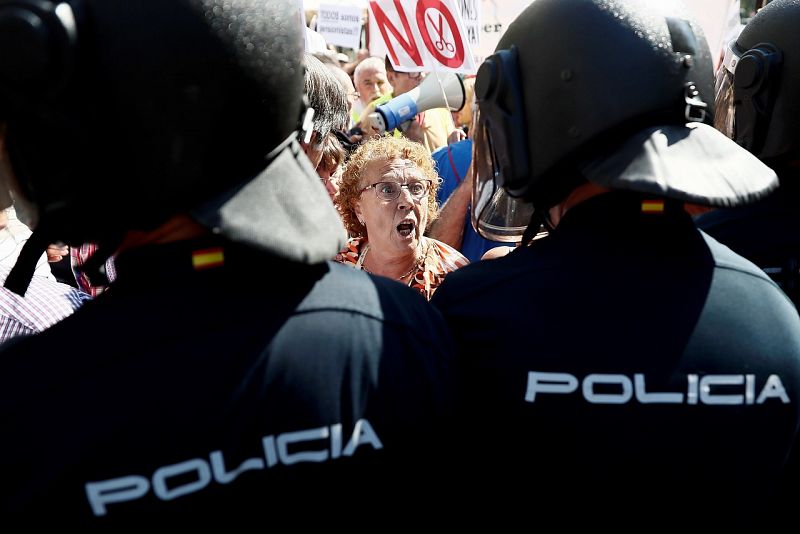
column 406, row 228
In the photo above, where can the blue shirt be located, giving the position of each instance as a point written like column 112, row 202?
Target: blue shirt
column 452, row 163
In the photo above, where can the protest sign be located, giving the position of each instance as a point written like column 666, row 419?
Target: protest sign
column 340, row 24
column 420, row 35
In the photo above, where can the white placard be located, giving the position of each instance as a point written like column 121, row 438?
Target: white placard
column 340, row 24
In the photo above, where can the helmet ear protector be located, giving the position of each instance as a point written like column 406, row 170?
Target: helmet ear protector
column 42, row 36
column 498, row 91
column 755, row 86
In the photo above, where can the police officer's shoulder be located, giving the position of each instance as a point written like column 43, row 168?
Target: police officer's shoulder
column 726, row 259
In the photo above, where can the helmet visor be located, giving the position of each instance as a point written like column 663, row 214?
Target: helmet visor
column 724, row 117
column 495, row 215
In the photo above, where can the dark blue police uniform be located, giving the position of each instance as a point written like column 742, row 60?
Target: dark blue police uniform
column 237, row 389
column 630, row 367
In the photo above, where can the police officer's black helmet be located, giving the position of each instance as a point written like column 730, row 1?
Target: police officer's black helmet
column 121, row 113
column 617, row 92
column 759, row 83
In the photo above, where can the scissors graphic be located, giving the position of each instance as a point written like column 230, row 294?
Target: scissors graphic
column 441, row 44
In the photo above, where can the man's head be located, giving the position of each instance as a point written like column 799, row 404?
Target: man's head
column 370, row 80
column 619, row 93
column 401, row 82
column 758, row 85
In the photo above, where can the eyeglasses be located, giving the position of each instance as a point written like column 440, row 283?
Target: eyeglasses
column 352, row 97
column 391, row 190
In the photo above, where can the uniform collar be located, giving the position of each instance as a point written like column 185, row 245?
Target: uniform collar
column 193, row 261
column 617, row 210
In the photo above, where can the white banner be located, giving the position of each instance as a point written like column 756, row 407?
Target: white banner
column 471, row 17
column 340, row 24
column 420, row 35
column 719, row 20
column 496, row 15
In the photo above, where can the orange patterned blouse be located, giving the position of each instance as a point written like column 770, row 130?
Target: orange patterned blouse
column 439, row 260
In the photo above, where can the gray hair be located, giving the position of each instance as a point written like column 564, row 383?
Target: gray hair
column 326, row 96
column 371, row 62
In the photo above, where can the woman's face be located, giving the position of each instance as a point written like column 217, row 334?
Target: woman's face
column 329, row 180
column 393, row 226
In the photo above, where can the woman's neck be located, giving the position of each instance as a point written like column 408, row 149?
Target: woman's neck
column 398, row 267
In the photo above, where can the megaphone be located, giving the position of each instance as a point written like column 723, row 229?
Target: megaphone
column 434, row 92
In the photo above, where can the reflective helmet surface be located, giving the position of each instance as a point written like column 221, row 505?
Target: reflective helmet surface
column 121, row 113
column 758, row 85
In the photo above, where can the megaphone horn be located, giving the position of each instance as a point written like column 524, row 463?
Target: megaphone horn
column 433, row 92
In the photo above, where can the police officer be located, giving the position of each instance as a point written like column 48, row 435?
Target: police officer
column 230, row 375
column 758, row 88
column 627, row 369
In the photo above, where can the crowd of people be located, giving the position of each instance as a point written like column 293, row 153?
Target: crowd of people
column 276, row 312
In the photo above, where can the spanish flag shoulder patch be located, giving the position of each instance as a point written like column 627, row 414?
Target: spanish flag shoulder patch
column 652, row 206
column 208, row 258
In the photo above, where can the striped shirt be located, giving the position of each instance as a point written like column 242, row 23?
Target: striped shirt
column 78, row 257
column 45, row 303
